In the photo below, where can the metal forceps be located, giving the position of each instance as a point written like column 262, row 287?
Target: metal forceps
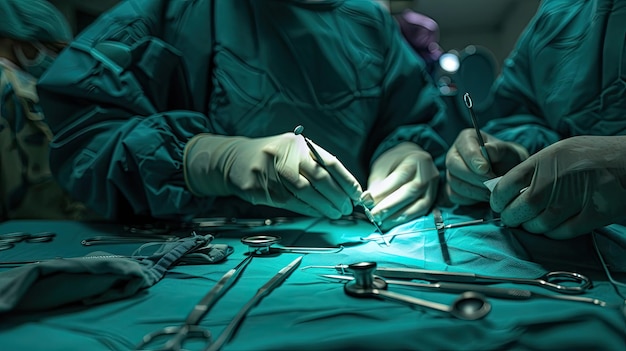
column 554, row 281
column 8, row 241
column 190, row 328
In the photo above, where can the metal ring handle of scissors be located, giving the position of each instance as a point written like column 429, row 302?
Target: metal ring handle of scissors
column 468, row 305
column 561, row 281
column 261, row 244
column 556, row 281
column 191, row 329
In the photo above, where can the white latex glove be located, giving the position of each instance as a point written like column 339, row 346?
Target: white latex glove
column 402, row 185
column 574, row 186
column 277, row 171
column 467, row 168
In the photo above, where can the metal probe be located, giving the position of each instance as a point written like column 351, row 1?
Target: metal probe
column 470, row 106
column 318, row 158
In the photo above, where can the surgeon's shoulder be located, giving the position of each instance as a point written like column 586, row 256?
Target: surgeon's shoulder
column 367, row 12
column 132, row 20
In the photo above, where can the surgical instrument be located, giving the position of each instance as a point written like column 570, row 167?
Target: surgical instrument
column 263, row 291
column 261, row 245
column 468, row 305
column 191, row 329
column 213, row 224
column 470, row 106
column 318, row 158
column 441, row 231
column 8, row 240
column 112, row 239
column 504, row 293
column 555, row 281
column 446, row 226
column 552, row 280
column 224, row 223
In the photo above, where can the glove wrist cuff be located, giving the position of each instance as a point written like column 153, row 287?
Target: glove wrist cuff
column 202, row 162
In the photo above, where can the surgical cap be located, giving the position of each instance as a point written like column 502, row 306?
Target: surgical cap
column 33, row 20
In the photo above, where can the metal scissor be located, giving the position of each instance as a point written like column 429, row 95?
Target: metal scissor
column 8, row 241
column 503, row 293
column 190, row 328
column 469, row 305
column 560, row 281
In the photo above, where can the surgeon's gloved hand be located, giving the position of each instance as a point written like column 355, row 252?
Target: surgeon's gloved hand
column 277, row 171
column 402, row 185
column 467, row 168
column 567, row 189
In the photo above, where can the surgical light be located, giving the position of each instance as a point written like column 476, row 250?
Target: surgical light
column 449, row 62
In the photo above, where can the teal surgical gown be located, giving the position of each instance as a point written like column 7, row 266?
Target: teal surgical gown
column 148, row 75
column 565, row 77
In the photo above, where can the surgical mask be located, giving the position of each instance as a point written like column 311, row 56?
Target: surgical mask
column 37, row 66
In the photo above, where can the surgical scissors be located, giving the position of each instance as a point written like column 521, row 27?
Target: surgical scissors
column 190, row 328
column 263, row 291
column 468, row 306
column 261, row 245
column 505, row 293
column 555, row 281
column 8, row 241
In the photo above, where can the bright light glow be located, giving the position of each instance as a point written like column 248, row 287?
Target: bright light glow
column 449, row 62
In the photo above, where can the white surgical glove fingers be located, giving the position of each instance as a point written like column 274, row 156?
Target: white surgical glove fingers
column 581, row 223
column 511, row 184
column 464, row 193
column 405, row 204
column 415, row 176
column 597, row 193
column 527, row 203
column 346, row 182
column 553, row 216
column 309, row 195
column 468, row 148
column 292, row 165
column 385, row 176
column 459, row 169
column 505, row 155
column 295, row 204
column 416, row 167
column 324, row 186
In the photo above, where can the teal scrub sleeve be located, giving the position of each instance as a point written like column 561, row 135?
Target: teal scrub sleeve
column 527, row 130
column 516, row 115
column 118, row 104
column 410, row 99
column 567, row 70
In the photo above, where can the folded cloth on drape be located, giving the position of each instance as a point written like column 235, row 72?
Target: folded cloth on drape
column 98, row 277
